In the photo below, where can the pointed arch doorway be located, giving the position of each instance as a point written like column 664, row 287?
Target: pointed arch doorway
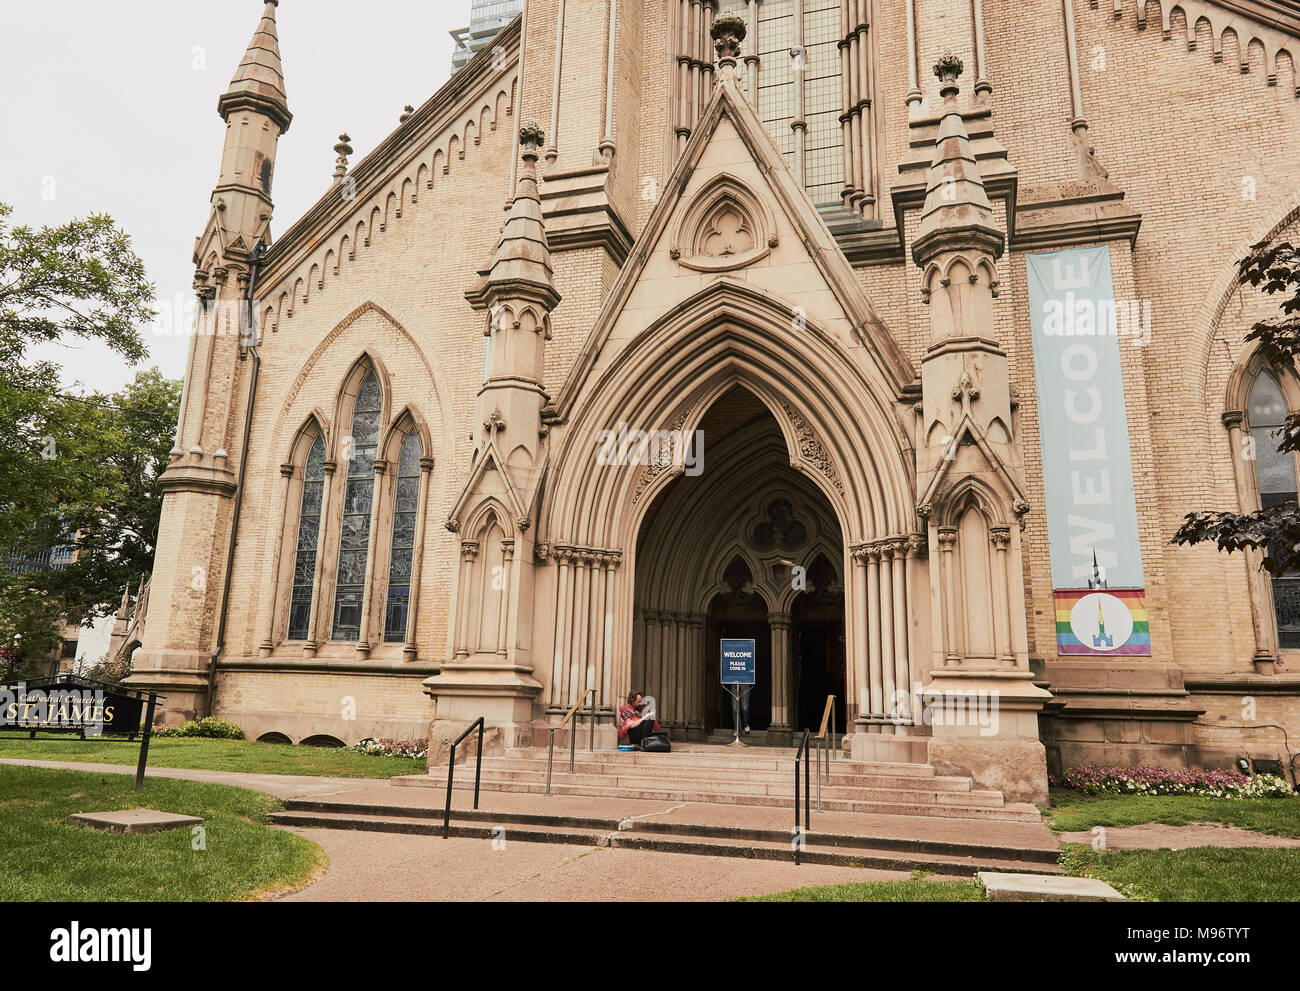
column 738, row 549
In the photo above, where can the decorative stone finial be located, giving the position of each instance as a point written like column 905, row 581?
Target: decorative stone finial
column 407, row 111
column 531, row 138
column 343, row 149
column 728, row 32
column 948, row 68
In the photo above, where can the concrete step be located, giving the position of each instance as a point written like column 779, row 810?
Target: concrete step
column 841, row 775
column 887, row 853
column 892, row 804
column 737, row 785
column 761, row 760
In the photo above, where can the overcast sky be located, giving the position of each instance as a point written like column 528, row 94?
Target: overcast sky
column 110, row 107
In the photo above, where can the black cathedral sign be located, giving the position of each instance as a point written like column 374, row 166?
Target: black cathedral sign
column 71, row 704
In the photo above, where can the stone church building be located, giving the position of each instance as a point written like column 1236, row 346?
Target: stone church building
column 897, row 336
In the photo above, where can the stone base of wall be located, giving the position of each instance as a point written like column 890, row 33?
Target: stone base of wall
column 1017, row 768
column 889, row 749
column 346, row 707
column 180, row 676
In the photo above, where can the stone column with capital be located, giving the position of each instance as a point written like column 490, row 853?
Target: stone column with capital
column 781, row 730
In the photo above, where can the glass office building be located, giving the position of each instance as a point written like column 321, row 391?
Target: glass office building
column 486, row 18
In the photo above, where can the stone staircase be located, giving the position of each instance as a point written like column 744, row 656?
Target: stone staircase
column 758, row 776
column 880, row 843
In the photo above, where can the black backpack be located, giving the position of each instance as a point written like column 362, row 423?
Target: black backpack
column 656, row 743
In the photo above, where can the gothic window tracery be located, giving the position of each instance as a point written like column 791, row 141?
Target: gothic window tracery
column 304, row 565
column 1275, row 479
column 406, row 499
column 358, row 496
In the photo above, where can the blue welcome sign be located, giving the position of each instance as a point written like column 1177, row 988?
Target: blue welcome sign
column 738, row 662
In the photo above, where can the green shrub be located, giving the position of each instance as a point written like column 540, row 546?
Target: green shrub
column 208, row 726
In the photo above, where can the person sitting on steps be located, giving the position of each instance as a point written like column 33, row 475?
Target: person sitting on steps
column 632, row 724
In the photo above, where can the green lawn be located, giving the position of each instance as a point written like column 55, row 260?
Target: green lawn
column 214, row 755
column 44, row 859
column 915, row 890
column 1074, row 812
column 1208, row 874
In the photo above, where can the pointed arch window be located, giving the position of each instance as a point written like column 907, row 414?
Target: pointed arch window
column 358, row 500
column 1275, row 476
column 304, row 564
column 406, row 501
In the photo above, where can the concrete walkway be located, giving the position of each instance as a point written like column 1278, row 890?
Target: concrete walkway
column 386, row 867
column 367, row 866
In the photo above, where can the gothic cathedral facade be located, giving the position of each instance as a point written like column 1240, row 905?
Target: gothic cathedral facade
column 896, row 336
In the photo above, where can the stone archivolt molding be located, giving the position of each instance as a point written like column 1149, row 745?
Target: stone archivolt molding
column 726, row 227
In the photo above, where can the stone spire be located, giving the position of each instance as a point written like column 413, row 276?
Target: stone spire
column 258, row 83
column 521, row 267
column 957, row 213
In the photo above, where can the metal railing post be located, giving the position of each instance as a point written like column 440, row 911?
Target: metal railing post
column 819, row 774
column 592, row 745
column 446, row 812
column 832, row 753
column 573, row 745
column 550, row 759
column 807, row 796
column 478, row 767
column 798, row 838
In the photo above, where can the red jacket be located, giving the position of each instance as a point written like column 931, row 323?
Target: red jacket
column 627, row 715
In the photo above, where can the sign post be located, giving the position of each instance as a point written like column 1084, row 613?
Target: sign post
column 144, row 743
column 738, row 668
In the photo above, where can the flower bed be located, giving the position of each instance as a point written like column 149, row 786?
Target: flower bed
column 1097, row 780
column 411, row 749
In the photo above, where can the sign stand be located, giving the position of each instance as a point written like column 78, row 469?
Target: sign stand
column 738, row 670
column 737, row 692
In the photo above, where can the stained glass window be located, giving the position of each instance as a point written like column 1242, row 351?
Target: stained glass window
column 304, row 563
column 405, row 506
column 1276, row 475
column 358, row 496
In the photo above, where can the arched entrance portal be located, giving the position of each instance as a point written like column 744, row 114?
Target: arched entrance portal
column 743, row 547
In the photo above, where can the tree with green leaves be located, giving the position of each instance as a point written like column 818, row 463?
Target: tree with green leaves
column 1275, row 529
column 69, row 462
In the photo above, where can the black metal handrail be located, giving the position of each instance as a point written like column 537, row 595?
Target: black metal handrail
column 477, row 724
column 807, row 760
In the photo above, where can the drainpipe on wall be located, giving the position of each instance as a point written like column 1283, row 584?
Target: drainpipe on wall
column 248, row 326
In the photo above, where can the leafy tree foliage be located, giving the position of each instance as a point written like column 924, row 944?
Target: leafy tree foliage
column 71, row 465
column 1275, row 270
